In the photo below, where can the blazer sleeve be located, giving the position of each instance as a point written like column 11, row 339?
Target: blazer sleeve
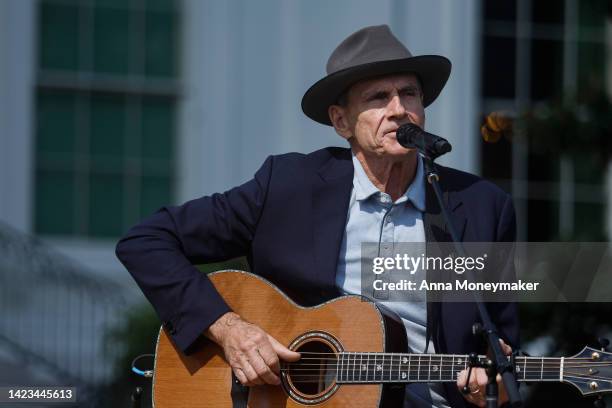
column 160, row 253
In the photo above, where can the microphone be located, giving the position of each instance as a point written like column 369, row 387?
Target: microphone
column 412, row 136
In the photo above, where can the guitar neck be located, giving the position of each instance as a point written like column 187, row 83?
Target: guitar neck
column 359, row 368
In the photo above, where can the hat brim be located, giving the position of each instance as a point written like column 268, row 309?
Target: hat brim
column 432, row 70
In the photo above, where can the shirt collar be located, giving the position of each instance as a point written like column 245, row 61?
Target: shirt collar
column 364, row 188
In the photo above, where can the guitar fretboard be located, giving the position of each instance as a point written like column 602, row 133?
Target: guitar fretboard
column 393, row 367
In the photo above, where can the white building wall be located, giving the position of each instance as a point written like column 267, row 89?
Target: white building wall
column 245, row 66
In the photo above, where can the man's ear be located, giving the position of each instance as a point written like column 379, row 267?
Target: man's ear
column 337, row 116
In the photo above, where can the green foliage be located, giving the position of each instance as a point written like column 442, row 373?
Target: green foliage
column 136, row 334
column 577, row 124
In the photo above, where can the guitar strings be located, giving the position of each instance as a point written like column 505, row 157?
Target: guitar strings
column 394, row 369
column 310, row 378
column 529, row 371
column 436, row 356
column 352, row 369
column 454, row 356
column 538, row 367
column 518, row 363
column 426, row 368
column 430, row 380
column 351, row 353
column 533, row 369
column 446, row 363
column 386, row 364
column 439, row 374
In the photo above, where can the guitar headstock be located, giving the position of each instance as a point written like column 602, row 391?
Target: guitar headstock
column 590, row 371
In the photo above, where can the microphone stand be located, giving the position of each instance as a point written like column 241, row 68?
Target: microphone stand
column 499, row 363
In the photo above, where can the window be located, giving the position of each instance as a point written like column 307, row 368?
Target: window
column 105, row 109
column 543, row 62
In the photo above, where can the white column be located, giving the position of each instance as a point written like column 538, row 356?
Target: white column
column 17, row 73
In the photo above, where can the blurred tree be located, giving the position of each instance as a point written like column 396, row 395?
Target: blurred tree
column 579, row 127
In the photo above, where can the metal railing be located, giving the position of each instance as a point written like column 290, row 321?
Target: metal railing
column 54, row 316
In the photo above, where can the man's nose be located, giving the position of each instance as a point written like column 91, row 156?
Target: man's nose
column 395, row 107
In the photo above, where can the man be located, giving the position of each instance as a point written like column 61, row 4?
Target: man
column 302, row 218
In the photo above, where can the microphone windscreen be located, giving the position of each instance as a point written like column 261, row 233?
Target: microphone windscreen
column 408, row 134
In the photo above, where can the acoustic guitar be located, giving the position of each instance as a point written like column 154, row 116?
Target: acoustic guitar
column 353, row 353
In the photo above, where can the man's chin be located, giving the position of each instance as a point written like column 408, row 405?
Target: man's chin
column 397, row 156
column 399, row 152
column 393, row 148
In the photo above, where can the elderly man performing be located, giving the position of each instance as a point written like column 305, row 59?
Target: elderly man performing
column 302, row 218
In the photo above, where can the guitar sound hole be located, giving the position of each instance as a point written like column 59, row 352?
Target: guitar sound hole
column 315, row 372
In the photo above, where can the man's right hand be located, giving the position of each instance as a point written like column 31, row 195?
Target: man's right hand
column 252, row 353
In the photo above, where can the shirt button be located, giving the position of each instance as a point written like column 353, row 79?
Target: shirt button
column 385, row 199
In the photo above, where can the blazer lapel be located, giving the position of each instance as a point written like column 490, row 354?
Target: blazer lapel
column 331, row 196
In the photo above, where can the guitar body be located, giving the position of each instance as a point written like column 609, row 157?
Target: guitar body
column 204, row 379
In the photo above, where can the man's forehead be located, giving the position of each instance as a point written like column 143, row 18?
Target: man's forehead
column 390, row 81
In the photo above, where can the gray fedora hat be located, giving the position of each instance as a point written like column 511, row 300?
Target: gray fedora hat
column 367, row 53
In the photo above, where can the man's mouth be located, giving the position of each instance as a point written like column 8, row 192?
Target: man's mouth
column 391, row 133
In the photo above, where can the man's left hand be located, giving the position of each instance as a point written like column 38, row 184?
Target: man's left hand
column 478, row 383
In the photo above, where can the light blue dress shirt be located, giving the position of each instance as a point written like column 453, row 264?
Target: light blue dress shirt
column 373, row 217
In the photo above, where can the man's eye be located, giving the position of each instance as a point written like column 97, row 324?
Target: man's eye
column 378, row 96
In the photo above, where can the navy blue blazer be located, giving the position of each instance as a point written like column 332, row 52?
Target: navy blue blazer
column 289, row 221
